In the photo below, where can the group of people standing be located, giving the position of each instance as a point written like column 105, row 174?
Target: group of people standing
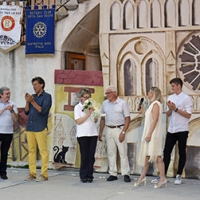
column 37, row 108
column 156, row 146
column 114, row 122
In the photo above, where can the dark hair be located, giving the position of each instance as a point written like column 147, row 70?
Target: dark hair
column 84, row 91
column 39, row 80
column 177, row 81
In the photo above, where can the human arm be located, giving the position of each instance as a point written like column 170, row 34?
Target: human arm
column 123, row 132
column 4, row 109
column 85, row 117
column 155, row 116
column 13, row 113
column 27, row 106
column 142, row 110
column 101, row 127
column 170, row 108
column 185, row 113
column 44, row 106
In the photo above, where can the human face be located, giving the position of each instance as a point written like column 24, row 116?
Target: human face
column 37, row 87
column 150, row 95
column 110, row 95
column 176, row 88
column 85, row 97
column 5, row 97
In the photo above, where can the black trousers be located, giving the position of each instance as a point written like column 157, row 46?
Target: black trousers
column 87, row 150
column 6, row 140
column 171, row 140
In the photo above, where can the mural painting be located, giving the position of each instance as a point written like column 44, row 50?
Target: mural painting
column 146, row 43
column 142, row 43
column 68, row 83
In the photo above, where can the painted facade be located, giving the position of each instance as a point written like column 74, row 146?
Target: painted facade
column 133, row 44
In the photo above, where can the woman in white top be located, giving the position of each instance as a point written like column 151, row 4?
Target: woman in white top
column 152, row 141
column 86, row 135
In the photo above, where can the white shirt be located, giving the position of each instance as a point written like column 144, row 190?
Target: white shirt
column 178, row 123
column 115, row 112
column 88, row 127
column 6, row 120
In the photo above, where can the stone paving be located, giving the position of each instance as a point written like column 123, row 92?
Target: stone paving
column 65, row 185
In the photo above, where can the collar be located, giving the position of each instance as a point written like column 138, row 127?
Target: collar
column 41, row 94
column 5, row 102
column 116, row 101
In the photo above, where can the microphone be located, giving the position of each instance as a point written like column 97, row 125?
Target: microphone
column 141, row 102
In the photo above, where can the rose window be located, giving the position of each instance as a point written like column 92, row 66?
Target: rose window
column 190, row 63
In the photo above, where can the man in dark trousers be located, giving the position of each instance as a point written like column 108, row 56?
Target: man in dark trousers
column 179, row 112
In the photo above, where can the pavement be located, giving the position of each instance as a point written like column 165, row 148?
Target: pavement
column 65, row 185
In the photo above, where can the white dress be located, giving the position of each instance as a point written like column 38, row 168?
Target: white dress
column 154, row 148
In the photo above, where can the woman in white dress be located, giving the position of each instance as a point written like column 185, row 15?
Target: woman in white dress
column 152, row 141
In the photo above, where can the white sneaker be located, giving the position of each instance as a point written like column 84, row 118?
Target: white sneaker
column 156, row 180
column 178, row 180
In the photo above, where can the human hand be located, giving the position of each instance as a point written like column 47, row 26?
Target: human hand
column 121, row 137
column 29, row 98
column 100, row 137
column 95, row 120
column 148, row 138
column 171, row 105
column 91, row 110
column 9, row 107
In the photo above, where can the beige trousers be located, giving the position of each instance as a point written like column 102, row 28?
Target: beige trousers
column 112, row 140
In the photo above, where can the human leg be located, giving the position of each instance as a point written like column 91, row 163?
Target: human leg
column 91, row 158
column 161, row 168
column 31, row 152
column 142, row 177
column 122, row 147
column 182, row 140
column 6, row 140
column 84, row 148
column 169, row 144
column 111, row 152
column 162, row 182
column 41, row 138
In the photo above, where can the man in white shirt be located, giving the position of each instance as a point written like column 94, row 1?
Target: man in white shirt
column 116, row 122
column 179, row 112
column 8, row 114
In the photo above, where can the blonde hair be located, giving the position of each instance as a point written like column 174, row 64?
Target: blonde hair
column 157, row 96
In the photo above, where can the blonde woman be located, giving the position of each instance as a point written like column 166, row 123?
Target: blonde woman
column 152, row 141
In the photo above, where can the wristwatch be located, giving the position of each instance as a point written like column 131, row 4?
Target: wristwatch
column 176, row 110
column 123, row 132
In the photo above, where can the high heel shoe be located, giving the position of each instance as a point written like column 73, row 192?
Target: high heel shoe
column 138, row 183
column 163, row 184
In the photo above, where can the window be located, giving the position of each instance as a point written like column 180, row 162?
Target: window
column 75, row 61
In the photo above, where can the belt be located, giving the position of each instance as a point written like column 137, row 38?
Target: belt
column 118, row 126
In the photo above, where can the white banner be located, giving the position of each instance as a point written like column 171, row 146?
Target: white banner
column 10, row 27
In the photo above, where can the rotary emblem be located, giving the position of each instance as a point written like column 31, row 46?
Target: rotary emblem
column 7, row 23
column 39, row 29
